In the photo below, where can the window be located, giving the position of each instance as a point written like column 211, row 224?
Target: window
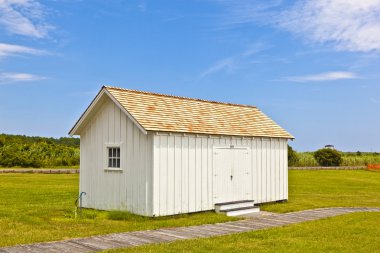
column 114, row 157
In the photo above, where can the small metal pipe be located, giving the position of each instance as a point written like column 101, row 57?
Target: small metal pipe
column 79, row 199
column 80, row 203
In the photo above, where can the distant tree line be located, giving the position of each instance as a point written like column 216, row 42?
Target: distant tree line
column 331, row 157
column 37, row 152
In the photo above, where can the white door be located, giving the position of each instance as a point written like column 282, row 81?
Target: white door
column 231, row 174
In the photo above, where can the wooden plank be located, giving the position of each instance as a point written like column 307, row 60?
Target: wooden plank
column 217, row 231
column 210, row 157
column 151, row 237
column 129, row 172
column 198, row 174
column 95, row 243
column 163, row 153
column 86, row 245
column 177, row 174
column 185, row 174
column 68, row 246
column 227, row 227
column 192, row 175
column 156, row 175
column 276, row 221
column 173, row 233
column 211, row 229
column 259, row 168
column 204, row 174
column 171, row 182
column 127, row 239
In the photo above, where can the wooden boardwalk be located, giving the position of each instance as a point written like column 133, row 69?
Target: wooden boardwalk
column 131, row 239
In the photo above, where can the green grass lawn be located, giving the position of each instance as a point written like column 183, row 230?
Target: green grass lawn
column 359, row 232
column 329, row 188
column 40, row 207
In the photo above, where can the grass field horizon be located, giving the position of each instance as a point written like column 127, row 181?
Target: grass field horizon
column 20, row 151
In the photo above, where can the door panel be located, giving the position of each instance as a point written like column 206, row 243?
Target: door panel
column 231, row 174
column 241, row 175
column 222, row 172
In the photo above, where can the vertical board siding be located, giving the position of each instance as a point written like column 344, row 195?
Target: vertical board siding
column 156, row 187
column 185, row 174
column 204, row 174
column 210, row 175
column 198, row 174
column 192, row 174
column 183, row 171
column 116, row 190
column 259, row 169
column 277, row 170
column 163, row 153
column 177, row 170
column 272, row 170
column 171, row 175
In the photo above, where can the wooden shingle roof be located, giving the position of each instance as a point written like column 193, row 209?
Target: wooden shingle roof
column 158, row 112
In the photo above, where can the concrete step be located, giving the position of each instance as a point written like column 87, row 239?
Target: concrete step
column 242, row 211
column 220, row 207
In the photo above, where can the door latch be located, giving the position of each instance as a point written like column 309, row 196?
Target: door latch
column 231, row 177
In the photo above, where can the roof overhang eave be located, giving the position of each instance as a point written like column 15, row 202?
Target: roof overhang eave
column 74, row 129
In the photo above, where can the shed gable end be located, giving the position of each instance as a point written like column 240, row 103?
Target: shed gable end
column 101, row 98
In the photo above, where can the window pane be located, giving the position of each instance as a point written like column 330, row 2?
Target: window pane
column 114, row 157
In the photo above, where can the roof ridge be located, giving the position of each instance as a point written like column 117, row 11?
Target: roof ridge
column 180, row 97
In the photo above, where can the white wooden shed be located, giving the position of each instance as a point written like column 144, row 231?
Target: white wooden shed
column 154, row 154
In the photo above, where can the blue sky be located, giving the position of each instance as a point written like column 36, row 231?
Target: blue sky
column 313, row 66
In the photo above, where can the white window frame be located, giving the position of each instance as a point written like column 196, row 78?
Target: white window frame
column 108, row 146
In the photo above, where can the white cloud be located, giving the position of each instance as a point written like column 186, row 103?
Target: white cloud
column 11, row 49
column 24, row 17
column 326, row 76
column 348, row 25
column 232, row 63
column 345, row 25
column 6, row 77
column 227, row 64
column 248, row 11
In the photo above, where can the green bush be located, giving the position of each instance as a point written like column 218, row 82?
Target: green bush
column 328, row 157
column 36, row 152
column 292, row 156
